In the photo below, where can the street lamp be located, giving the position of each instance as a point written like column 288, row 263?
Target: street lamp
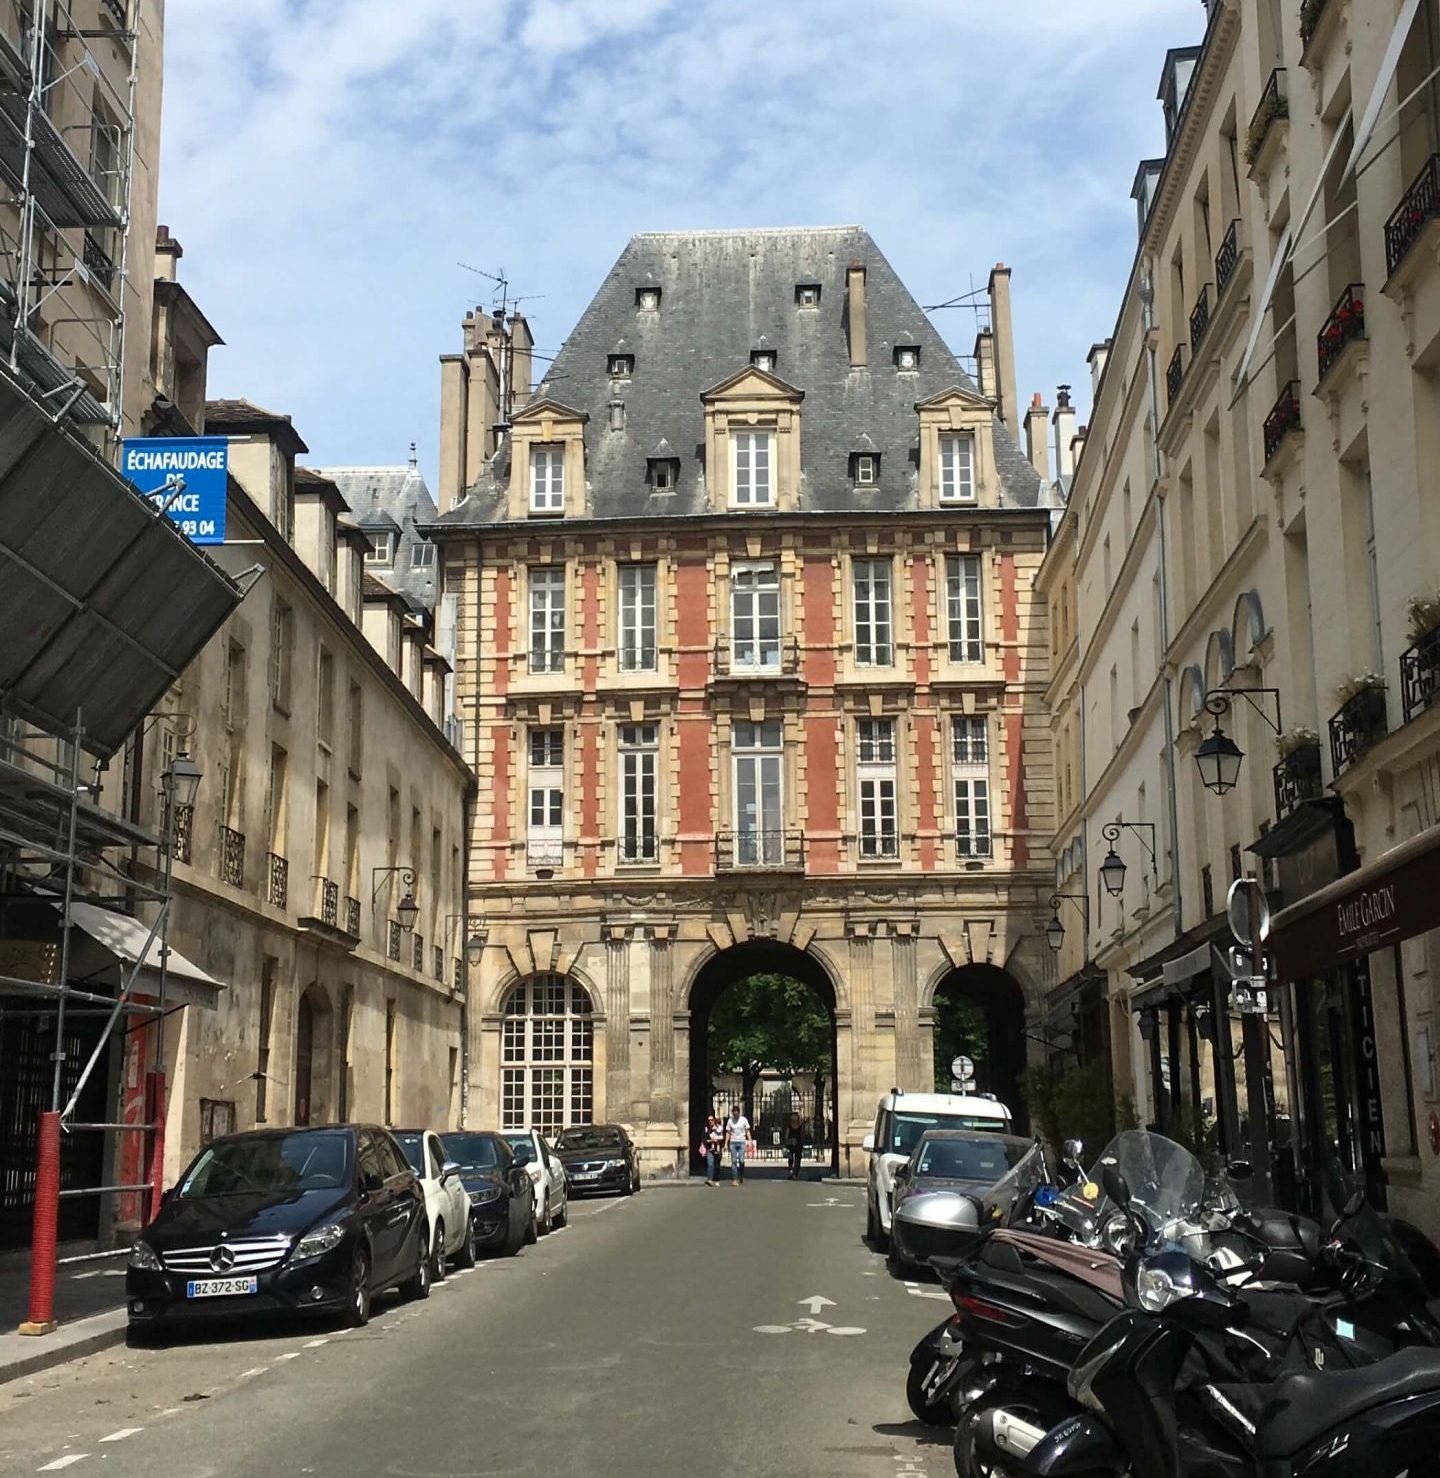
column 1055, row 933
column 1055, row 930
column 407, row 910
column 181, row 782
column 474, row 949
column 1218, row 757
column 1112, row 873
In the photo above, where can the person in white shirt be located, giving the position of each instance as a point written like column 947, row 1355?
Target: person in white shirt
column 737, row 1128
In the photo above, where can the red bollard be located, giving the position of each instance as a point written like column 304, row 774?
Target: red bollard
column 47, row 1214
column 156, row 1096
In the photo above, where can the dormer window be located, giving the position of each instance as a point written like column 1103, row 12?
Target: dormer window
column 647, row 299
column 622, row 366
column 864, row 469
column 907, row 356
column 957, row 469
column 807, row 294
column 547, row 478
column 422, row 556
column 661, row 475
column 382, row 548
column 763, row 359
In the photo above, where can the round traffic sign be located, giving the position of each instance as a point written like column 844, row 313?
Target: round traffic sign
column 962, row 1067
column 1238, row 905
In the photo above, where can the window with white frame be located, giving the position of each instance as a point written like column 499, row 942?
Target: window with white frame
column 970, row 766
column 547, row 1055
column 422, row 556
column 751, row 484
column 957, row 468
column 875, row 772
column 547, row 478
column 755, row 617
column 637, row 618
column 758, row 755
column 639, row 766
column 382, row 547
column 545, row 834
column 865, row 469
column 547, row 619
column 874, row 645
column 964, row 607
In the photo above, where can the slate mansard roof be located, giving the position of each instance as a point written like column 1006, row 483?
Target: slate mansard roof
column 394, row 499
column 724, row 294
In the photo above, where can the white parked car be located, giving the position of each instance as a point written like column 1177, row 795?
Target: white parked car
column 447, row 1204
column 552, row 1193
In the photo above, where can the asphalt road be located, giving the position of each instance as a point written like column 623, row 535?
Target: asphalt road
column 663, row 1335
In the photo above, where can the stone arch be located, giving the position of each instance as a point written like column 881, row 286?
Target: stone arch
column 1192, row 693
column 1248, row 627
column 1002, row 997
column 313, row 1071
column 1219, row 658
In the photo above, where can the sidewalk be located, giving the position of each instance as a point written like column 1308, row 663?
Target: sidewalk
column 89, row 1307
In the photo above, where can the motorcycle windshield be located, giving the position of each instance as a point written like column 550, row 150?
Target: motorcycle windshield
column 1019, row 1182
column 1167, row 1182
column 1366, row 1230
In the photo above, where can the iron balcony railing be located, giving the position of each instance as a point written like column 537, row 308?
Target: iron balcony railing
column 392, row 939
column 98, row 262
column 1419, row 204
column 1311, row 13
column 757, row 659
column 184, row 832
column 438, row 964
column 1420, row 675
column 1200, row 318
column 232, row 856
column 877, row 846
column 742, row 850
column 544, row 852
column 1227, row 259
column 638, row 659
column 327, row 901
column 117, row 9
column 1274, row 104
column 1284, row 418
column 1174, row 373
column 277, row 871
column 1345, row 324
column 417, row 953
column 970, row 845
column 547, row 659
column 1297, row 778
column 352, row 916
column 458, row 977
column 1357, row 726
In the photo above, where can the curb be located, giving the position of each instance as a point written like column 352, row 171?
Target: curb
column 22, row 1355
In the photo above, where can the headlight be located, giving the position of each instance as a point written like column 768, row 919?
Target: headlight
column 1156, row 1290
column 614, row 1164
column 1115, row 1235
column 485, row 1197
column 144, row 1256
column 535, row 1172
column 321, row 1240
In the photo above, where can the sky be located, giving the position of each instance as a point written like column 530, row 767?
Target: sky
column 335, row 168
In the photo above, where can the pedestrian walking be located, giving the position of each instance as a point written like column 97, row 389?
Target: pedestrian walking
column 737, row 1130
column 795, row 1145
column 711, row 1148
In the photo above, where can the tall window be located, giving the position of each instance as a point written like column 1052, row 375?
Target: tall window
column 750, row 462
column 325, row 712
column 547, row 619
column 639, row 762
column 964, row 608
column 970, row 764
column 637, row 618
column 759, row 794
column 233, row 698
column 547, row 479
column 875, row 770
column 545, row 840
column 269, row 967
column 356, row 717
column 547, row 1052
column 957, row 469
column 392, row 1060
column 282, row 653
column 873, row 628
column 755, row 616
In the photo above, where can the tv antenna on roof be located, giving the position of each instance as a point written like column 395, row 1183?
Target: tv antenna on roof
column 505, row 303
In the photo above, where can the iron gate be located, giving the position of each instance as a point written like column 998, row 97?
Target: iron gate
column 771, row 1127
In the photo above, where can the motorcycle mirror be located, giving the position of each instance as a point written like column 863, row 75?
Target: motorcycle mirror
column 1240, row 1170
column 1074, row 1148
column 1116, row 1186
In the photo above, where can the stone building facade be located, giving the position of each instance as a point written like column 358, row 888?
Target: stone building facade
column 750, row 672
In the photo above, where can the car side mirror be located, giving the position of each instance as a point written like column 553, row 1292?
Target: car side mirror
column 902, row 1172
column 370, row 1182
column 449, row 1170
column 1241, row 1170
column 1074, row 1148
column 868, row 1144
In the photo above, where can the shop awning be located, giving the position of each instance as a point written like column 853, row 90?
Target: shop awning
column 103, row 601
column 124, row 937
column 1392, row 898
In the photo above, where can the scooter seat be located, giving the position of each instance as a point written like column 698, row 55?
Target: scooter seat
column 1302, row 1407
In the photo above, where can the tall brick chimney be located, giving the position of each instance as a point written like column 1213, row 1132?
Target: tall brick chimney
column 1004, row 393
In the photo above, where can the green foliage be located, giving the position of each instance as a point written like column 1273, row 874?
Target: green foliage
column 770, row 1022
column 1077, row 1103
column 960, row 1029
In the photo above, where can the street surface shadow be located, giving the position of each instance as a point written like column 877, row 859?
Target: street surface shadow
column 920, row 1432
column 251, row 1329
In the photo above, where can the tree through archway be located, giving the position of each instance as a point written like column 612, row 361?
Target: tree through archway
column 980, row 1014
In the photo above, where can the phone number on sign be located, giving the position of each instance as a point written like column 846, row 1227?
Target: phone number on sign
column 196, row 528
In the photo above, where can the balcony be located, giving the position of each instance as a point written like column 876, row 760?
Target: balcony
column 1418, row 205
column 1174, row 374
column 1357, row 727
column 438, row 964
column 117, row 9
column 392, row 939
column 417, row 953
column 352, row 916
column 1199, row 318
column 544, row 853
column 546, row 660
column 1227, row 259
column 1345, row 324
column 1420, row 675
column 973, row 846
column 879, row 846
column 458, row 978
column 761, row 659
column 760, row 851
column 327, row 902
column 232, row 857
column 98, row 262
column 277, row 874
column 1297, row 778
column 1273, row 106
column 184, row 832
column 1282, row 420
column 1312, row 12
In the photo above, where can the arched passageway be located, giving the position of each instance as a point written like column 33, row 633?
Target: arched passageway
column 980, row 1013
column 726, row 970
column 314, row 1097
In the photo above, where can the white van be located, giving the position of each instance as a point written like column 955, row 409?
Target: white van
column 900, row 1121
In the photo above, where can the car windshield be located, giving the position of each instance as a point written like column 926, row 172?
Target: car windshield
column 906, row 1129
column 969, row 1159
column 520, row 1142
column 472, row 1151
column 268, row 1163
column 588, row 1139
column 414, row 1149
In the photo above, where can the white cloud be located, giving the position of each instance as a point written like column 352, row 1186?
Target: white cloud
column 329, row 163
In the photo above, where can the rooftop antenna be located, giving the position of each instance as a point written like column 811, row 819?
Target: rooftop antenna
column 413, row 458
column 503, row 307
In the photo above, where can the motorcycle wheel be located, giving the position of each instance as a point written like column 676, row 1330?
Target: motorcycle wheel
column 971, row 1463
column 939, row 1413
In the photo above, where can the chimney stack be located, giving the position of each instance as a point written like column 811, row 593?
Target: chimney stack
column 1064, row 423
column 1077, row 445
column 1097, row 359
column 168, row 252
column 1036, row 446
column 1004, row 393
column 855, row 314
column 985, row 362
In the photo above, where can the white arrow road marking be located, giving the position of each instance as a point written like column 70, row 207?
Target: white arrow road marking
column 823, row 1205
column 63, row 1462
column 918, row 1292
column 122, row 1434
column 815, row 1303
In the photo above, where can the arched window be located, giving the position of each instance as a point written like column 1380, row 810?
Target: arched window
column 547, row 1055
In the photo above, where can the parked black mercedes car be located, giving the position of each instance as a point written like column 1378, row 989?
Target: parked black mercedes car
column 598, row 1157
column 283, row 1220
column 502, row 1195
